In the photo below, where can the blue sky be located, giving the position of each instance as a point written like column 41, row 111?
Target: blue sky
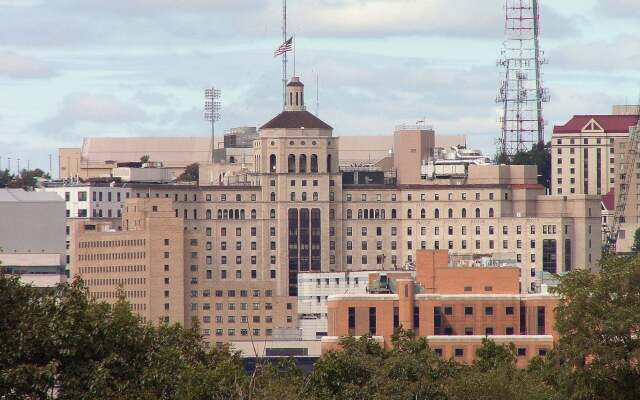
column 76, row 68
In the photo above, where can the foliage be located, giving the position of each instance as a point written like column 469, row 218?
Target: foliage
column 27, row 179
column 61, row 344
column 145, row 159
column 598, row 320
column 636, row 241
column 191, row 173
column 539, row 155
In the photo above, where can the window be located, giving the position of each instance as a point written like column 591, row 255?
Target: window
column 459, row 352
column 468, row 311
column 508, row 310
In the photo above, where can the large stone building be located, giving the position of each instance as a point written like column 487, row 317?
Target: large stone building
column 240, row 245
column 32, row 241
column 454, row 308
column 583, row 153
column 586, row 156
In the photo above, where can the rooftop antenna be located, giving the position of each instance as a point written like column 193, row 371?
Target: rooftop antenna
column 212, row 107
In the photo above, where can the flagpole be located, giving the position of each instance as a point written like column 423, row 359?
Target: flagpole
column 284, row 56
column 294, row 54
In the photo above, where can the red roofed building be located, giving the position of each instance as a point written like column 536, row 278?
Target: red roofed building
column 583, row 153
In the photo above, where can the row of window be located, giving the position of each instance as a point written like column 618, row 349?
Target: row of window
column 424, row 197
column 112, row 243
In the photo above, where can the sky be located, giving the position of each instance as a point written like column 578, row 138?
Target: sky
column 83, row 68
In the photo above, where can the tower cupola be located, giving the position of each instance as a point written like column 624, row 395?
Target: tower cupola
column 295, row 95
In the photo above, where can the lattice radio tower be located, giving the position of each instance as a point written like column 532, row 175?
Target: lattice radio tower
column 521, row 91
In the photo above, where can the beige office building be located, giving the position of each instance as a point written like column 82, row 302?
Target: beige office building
column 583, row 153
column 229, row 254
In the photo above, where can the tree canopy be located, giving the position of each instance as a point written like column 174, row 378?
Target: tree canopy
column 61, row 344
column 27, row 179
column 191, row 173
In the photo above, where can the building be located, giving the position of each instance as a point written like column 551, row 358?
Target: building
column 583, row 153
column 455, row 308
column 99, row 155
column 32, row 241
column 87, row 201
column 313, row 291
column 247, row 240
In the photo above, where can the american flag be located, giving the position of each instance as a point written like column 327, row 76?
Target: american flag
column 284, row 47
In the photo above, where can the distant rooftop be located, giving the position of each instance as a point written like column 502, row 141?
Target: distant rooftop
column 608, row 123
column 22, row 196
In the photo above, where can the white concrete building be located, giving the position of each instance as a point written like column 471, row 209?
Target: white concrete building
column 32, row 240
column 313, row 290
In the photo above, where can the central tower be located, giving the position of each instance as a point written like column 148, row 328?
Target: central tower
column 296, row 159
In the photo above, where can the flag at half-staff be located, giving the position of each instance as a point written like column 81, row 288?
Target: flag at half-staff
column 284, row 47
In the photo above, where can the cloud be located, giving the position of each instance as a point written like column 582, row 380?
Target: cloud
column 98, row 108
column 620, row 53
column 619, row 8
column 18, row 66
column 93, row 110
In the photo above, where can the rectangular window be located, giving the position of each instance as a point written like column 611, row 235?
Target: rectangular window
column 372, row 320
column 352, row 321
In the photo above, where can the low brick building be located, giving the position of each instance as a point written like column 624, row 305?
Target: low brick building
column 455, row 308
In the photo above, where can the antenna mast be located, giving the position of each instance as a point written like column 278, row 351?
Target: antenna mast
column 284, row 56
column 521, row 92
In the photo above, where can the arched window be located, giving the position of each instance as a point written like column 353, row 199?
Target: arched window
column 236, row 214
column 219, row 214
column 464, row 213
column 272, row 214
column 296, row 98
column 273, row 196
column 328, row 162
column 423, row 213
column 302, row 160
column 304, row 196
column 208, row 214
column 377, row 214
column 226, row 214
column 253, row 214
column 272, row 163
column 394, row 213
column 436, row 213
column 382, row 213
column 291, row 163
column 477, row 213
column 360, row 214
column 349, row 214
column 450, row 213
column 491, row 213
column 409, row 214
column 314, row 163
column 241, row 214
column 366, row 214
column 290, row 98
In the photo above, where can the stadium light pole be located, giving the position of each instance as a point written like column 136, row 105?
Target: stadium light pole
column 212, row 111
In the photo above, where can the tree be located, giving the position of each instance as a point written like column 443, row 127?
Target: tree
column 598, row 319
column 494, row 375
column 191, row 173
column 636, row 241
column 145, row 159
column 539, row 155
